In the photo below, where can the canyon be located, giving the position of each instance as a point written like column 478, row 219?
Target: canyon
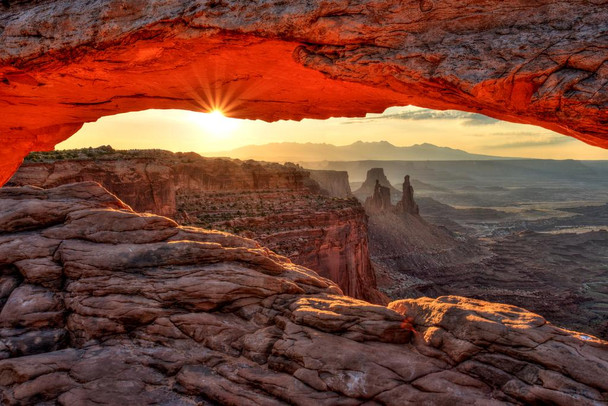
column 547, row 256
column 380, row 253
column 404, row 246
column 63, row 64
column 131, row 308
column 280, row 206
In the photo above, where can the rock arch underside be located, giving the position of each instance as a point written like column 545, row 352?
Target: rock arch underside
column 103, row 305
column 62, row 64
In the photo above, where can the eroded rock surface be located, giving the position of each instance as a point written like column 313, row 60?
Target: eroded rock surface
column 65, row 63
column 277, row 205
column 128, row 308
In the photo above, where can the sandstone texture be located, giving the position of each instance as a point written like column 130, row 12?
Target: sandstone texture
column 278, row 206
column 155, row 180
column 102, row 305
column 63, row 63
column 328, row 237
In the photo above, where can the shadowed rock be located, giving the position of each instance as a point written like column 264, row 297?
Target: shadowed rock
column 407, row 203
column 380, row 200
column 373, row 177
column 164, row 314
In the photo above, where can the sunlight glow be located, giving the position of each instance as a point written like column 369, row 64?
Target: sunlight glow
column 215, row 123
column 214, row 134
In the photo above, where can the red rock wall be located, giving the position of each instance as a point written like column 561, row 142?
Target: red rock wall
column 141, row 183
column 150, row 180
column 333, row 242
column 274, row 204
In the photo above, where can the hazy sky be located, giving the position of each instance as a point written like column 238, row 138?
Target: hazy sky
column 177, row 130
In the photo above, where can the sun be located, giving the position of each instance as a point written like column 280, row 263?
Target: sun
column 215, row 123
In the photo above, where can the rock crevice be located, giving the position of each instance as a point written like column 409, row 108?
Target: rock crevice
column 147, row 312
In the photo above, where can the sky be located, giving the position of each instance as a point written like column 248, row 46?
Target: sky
column 208, row 134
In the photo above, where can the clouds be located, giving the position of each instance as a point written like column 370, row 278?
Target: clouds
column 479, row 119
column 526, row 139
column 468, row 119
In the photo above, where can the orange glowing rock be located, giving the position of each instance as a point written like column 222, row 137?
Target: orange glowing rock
column 66, row 63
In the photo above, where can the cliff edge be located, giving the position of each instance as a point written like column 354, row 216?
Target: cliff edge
column 104, row 305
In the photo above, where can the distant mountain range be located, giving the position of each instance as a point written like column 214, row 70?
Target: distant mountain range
column 382, row 150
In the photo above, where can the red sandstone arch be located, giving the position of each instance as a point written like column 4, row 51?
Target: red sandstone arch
column 62, row 63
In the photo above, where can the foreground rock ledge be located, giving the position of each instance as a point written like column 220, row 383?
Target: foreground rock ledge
column 101, row 305
column 65, row 63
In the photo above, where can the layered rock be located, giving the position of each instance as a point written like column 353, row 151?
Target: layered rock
column 374, row 177
column 334, row 182
column 330, row 238
column 277, row 205
column 104, row 305
column 155, row 180
column 65, row 63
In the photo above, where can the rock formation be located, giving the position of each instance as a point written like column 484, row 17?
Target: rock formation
column 334, row 182
column 329, row 237
column 155, row 180
column 407, row 203
column 373, row 177
column 107, row 306
column 274, row 204
column 380, row 200
column 66, row 63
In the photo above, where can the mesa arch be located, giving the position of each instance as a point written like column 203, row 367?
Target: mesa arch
column 62, row 63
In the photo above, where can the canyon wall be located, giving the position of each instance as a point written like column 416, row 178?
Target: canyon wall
column 102, row 305
column 150, row 180
column 334, row 182
column 331, row 239
column 277, row 205
column 65, row 63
